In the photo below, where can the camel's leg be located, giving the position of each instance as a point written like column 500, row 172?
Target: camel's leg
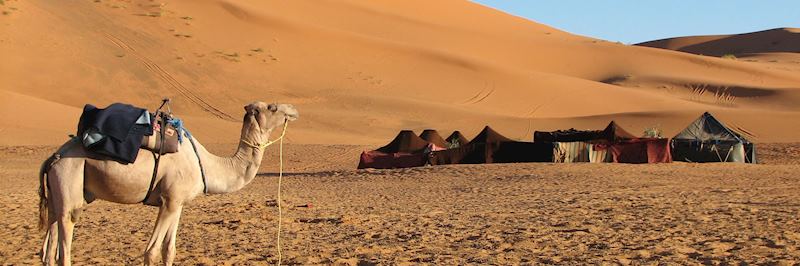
column 168, row 249
column 66, row 182
column 50, row 245
column 65, row 229
column 166, row 215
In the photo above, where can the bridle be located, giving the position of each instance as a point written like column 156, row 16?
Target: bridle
column 261, row 146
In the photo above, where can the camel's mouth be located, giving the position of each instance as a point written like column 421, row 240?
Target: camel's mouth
column 292, row 116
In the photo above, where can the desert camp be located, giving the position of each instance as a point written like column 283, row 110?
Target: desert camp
column 704, row 140
column 379, row 132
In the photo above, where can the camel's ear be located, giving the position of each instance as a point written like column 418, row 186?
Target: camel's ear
column 251, row 109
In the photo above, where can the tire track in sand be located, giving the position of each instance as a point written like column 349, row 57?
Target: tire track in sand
column 481, row 95
column 167, row 78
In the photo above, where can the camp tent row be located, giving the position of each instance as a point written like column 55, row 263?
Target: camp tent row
column 405, row 150
column 410, row 150
column 704, row 140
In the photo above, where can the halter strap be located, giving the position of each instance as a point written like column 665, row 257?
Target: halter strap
column 269, row 142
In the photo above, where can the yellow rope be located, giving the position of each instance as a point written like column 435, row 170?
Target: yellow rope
column 280, row 178
column 269, row 142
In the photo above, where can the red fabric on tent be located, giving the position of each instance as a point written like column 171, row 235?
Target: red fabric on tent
column 642, row 151
column 379, row 160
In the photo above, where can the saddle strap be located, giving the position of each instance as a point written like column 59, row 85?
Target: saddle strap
column 163, row 126
column 200, row 162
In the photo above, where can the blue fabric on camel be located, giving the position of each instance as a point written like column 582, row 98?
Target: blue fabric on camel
column 113, row 131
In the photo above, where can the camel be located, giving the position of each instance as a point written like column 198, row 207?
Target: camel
column 72, row 178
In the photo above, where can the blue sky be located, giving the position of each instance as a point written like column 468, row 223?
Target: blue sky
column 634, row 21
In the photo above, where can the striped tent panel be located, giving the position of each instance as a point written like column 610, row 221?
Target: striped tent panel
column 571, row 152
column 599, row 153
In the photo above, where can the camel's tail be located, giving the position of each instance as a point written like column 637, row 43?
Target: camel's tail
column 43, row 191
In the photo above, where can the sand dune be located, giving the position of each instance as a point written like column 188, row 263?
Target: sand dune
column 782, row 40
column 361, row 70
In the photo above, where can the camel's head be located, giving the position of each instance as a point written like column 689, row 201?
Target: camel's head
column 261, row 118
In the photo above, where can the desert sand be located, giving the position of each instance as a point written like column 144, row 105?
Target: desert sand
column 461, row 214
column 359, row 71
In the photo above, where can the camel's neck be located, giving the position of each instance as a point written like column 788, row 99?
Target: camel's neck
column 229, row 174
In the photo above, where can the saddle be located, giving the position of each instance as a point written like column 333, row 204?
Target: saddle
column 165, row 137
column 120, row 130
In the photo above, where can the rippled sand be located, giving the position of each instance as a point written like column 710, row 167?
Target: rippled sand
column 463, row 214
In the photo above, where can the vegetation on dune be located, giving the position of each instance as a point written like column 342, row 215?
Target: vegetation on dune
column 653, row 132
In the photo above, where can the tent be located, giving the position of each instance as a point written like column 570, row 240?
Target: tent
column 626, row 148
column 572, row 146
column 456, row 139
column 492, row 147
column 600, row 153
column 570, row 152
column 611, row 133
column 433, row 137
column 708, row 140
column 641, row 150
column 405, row 141
column 405, row 150
column 379, row 160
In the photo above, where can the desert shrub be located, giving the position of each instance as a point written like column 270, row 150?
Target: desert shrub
column 653, row 132
column 729, row 56
column 453, row 144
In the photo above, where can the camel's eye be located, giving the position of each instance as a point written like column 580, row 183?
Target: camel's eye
column 272, row 107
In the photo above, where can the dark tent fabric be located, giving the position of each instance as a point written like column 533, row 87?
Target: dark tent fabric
column 642, row 150
column 708, row 128
column 488, row 135
column 456, row 137
column 465, row 154
column 379, row 160
column 708, row 140
column 614, row 132
column 433, row 137
column 611, row 133
column 492, row 147
column 405, row 141
column 523, row 152
column 722, row 151
column 569, row 135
